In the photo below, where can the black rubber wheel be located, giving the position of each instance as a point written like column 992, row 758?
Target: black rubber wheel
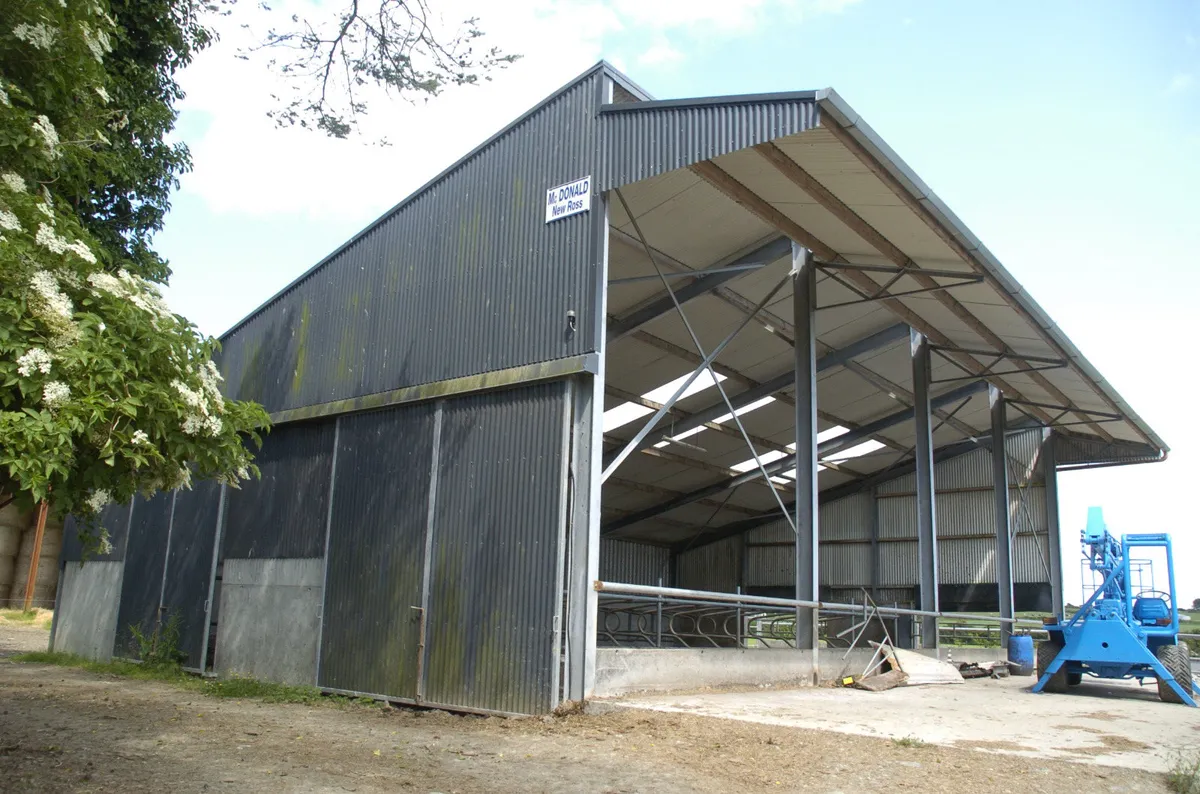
column 1046, row 651
column 1175, row 659
column 1073, row 679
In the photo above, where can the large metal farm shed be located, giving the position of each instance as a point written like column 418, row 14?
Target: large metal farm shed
column 740, row 348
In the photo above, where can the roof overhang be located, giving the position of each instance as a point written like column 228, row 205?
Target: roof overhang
column 722, row 185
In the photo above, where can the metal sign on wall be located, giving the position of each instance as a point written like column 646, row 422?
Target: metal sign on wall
column 569, row 199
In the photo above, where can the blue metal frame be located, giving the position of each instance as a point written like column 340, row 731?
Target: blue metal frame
column 1104, row 639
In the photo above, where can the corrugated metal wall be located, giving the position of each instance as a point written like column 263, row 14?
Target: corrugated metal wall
column 633, row 563
column 189, row 566
column 283, row 515
column 465, row 277
column 712, row 567
column 498, row 523
column 141, row 584
column 378, row 521
column 645, row 139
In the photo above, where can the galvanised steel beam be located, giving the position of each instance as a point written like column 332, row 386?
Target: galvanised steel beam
column 1004, row 573
column 765, row 254
column 1054, row 545
column 825, row 449
column 782, row 381
column 927, row 574
column 804, row 314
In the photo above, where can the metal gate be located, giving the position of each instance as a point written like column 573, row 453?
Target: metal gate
column 370, row 636
column 187, row 589
column 444, row 556
column 141, row 584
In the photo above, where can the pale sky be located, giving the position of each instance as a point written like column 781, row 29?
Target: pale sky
column 1065, row 135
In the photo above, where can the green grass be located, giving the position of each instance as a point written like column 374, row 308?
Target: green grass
column 1184, row 777
column 240, row 688
column 909, row 741
column 19, row 615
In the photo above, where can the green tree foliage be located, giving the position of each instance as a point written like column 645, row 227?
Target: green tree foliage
column 103, row 391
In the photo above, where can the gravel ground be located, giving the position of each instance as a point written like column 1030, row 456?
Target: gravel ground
column 67, row 730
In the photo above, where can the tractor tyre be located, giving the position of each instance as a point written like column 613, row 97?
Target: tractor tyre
column 1046, row 651
column 1073, row 679
column 1175, row 659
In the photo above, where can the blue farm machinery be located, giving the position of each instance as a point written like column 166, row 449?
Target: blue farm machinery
column 1127, row 628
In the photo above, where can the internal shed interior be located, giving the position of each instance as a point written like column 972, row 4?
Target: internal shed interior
column 706, row 334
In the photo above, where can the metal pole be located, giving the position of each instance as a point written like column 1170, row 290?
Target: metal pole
column 1053, row 535
column 658, row 618
column 35, row 556
column 1004, row 573
column 876, row 561
column 804, row 311
column 651, row 592
column 926, row 512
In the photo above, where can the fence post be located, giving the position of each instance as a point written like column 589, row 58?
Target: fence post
column 658, row 641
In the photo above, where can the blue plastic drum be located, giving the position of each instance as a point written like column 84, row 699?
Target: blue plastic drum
column 1020, row 653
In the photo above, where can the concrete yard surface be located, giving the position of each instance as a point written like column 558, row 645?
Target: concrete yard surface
column 1113, row 723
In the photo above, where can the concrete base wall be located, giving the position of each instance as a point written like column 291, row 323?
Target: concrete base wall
column 85, row 620
column 270, row 619
column 623, row 671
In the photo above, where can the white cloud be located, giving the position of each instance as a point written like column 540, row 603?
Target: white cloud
column 243, row 163
column 1180, row 83
column 660, row 53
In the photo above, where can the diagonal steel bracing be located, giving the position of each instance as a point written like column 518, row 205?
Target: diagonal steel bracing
column 783, row 381
column 826, row 449
column 765, row 254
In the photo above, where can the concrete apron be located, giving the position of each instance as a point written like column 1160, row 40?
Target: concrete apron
column 1113, row 723
column 624, row 671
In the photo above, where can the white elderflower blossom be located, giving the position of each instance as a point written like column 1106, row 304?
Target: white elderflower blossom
column 40, row 35
column 34, row 359
column 82, row 251
column 193, row 398
column 44, row 208
column 49, row 136
column 45, row 285
column 133, row 288
column 210, row 382
column 4, row 100
column 55, row 394
column 213, row 425
column 140, row 438
column 243, row 473
column 107, row 283
column 98, row 499
column 193, row 424
column 100, row 92
column 9, row 221
column 105, row 544
column 48, row 238
column 15, row 183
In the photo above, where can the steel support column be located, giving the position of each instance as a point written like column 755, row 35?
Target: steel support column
column 1004, row 573
column 876, row 561
column 804, row 308
column 1054, row 537
column 926, row 508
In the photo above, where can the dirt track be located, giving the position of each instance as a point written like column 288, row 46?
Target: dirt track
column 65, row 730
